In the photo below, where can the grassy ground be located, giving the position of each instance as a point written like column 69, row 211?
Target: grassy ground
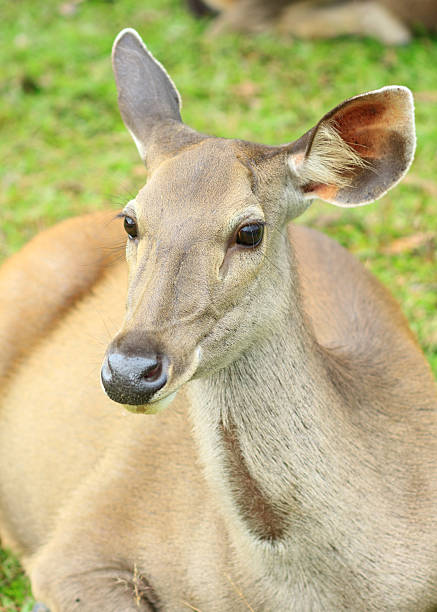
column 64, row 150
column 14, row 588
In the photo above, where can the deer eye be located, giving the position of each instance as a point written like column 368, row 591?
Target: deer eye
column 130, row 226
column 250, row 235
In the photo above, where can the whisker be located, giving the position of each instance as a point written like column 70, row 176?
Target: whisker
column 190, row 606
column 117, row 215
column 237, row 590
column 271, row 263
column 120, row 199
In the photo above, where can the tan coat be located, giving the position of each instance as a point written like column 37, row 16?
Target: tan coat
column 296, row 468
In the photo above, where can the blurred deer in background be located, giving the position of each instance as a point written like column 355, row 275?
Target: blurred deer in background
column 390, row 21
column 296, row 467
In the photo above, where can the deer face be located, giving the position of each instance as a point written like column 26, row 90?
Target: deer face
column 209, row 260
column 202, row 246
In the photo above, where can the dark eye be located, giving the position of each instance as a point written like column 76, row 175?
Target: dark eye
column 130, row 225
column 250, row 235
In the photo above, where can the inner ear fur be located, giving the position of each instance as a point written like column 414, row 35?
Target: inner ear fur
column 359, row 150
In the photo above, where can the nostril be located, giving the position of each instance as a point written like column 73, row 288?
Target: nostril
column 153, row 371
column 134, row 378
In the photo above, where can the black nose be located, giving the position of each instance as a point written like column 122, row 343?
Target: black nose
column 133, row 379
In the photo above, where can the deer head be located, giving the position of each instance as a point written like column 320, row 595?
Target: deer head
column 211, row 268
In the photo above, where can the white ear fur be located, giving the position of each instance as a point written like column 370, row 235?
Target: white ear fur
column 331, row 158
column 359, row 150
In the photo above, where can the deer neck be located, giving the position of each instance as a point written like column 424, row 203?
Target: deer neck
column 267, row 428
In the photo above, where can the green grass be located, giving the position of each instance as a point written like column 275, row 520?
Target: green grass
column 14, row 587
column 64, row 150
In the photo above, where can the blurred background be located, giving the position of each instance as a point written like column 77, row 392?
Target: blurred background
column 64, row 150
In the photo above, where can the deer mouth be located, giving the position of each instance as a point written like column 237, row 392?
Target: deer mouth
column 154, row 407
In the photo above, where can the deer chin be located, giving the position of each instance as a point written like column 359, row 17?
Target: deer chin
column 153, row 407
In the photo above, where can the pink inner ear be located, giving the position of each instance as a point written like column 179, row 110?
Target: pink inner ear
column 325, row 192
column 365, row 126
column 378, row 127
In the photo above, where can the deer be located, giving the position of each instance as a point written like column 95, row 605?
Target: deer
column 276, row 444
column 389, row 21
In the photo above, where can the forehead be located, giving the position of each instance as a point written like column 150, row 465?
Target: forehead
column 208, row 179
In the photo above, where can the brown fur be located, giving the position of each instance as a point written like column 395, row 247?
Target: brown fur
column 388, row 20
column 296, row 469
column 118, row 479
column 73, row 265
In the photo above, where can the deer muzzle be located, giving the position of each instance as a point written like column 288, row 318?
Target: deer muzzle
column 133, row 379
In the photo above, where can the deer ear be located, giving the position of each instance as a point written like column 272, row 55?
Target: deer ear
column 147, row 97
column 359, row 150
